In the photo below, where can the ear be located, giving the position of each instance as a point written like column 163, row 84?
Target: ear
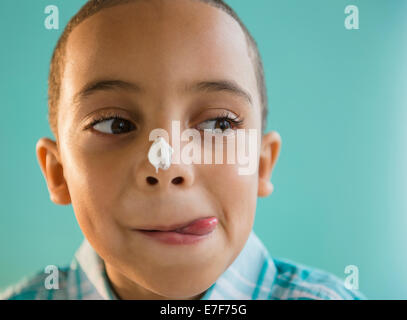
column 51, row 167
column 270, row 150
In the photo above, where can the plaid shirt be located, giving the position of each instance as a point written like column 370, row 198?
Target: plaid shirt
column 254, row 275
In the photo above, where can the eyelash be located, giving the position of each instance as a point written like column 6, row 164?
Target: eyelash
column 236, row 121
column 104, row 118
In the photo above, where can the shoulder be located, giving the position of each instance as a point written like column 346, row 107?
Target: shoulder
column 257, row 275
column 38, row 286
column 297, row 281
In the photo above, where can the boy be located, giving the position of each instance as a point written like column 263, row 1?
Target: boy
column 121, row 69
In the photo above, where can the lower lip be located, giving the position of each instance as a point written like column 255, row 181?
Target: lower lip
column 171, row 237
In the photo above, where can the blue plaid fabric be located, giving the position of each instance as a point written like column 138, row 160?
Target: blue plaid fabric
column 254, row 275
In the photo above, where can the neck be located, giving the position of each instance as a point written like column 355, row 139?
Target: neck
column 126, row 289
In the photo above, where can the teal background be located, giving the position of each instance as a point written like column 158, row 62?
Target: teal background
column 338, row 99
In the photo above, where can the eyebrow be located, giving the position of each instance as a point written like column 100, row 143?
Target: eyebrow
column 229, row 86
column 104, row 85
column 221, row 85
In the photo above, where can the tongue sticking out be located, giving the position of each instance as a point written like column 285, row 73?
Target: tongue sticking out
column 199, row 227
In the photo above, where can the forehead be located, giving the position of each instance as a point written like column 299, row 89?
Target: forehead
column 162, row 44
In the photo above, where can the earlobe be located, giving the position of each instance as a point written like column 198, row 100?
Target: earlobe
column 270, row 151
column 52, row 169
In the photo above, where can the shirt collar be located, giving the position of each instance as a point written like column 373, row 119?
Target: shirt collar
column 94, row 269
column 247, row 278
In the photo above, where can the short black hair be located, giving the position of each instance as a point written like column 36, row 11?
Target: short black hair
column 90, row 8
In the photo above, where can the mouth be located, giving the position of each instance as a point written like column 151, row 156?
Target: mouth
column 186, row 233
column 199, row 226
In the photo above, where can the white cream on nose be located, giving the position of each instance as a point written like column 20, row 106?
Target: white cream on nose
column 160, row 154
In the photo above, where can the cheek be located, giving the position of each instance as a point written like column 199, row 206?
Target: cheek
column 237, row 196
column 95, row 181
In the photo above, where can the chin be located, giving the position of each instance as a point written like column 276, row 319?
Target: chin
column 183, row 293
column 181, row 287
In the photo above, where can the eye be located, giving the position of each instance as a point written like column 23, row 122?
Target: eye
column 114, row 125
column 223, row 123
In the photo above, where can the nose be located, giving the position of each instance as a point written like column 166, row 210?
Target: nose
column 153, row 180
column 178, row 175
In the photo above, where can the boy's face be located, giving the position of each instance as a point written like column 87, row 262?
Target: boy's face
column 164, row 47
